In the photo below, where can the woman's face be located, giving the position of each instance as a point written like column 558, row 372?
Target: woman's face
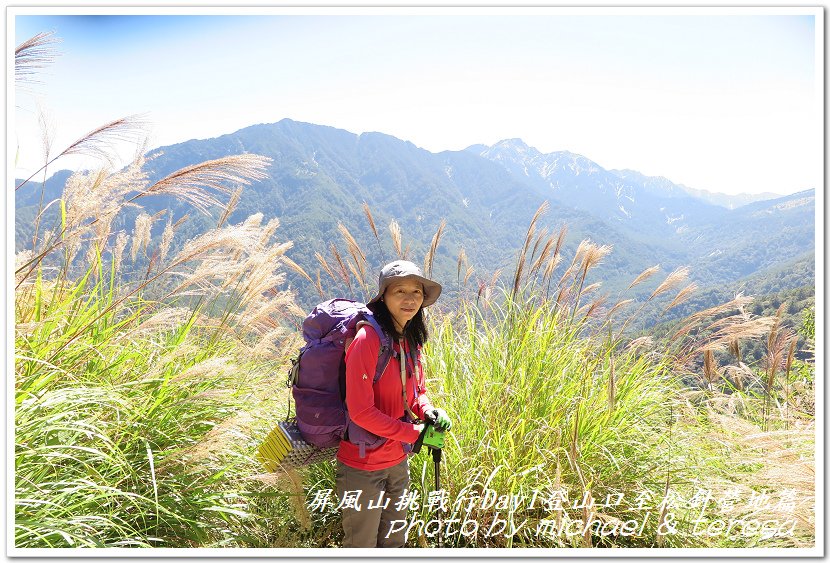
column 403, row 298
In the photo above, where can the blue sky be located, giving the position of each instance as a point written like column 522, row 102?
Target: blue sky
column 727, row 103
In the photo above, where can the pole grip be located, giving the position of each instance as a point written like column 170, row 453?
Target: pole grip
column 416, row 447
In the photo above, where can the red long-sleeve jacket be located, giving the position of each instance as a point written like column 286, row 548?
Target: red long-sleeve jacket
column 379, row 408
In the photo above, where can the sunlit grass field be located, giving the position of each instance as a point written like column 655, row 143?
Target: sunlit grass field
column 141, row 396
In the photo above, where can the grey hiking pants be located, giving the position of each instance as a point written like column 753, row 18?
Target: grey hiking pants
column 369, row 515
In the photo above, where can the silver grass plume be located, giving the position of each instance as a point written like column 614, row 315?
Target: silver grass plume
column 118, row 251
column 229, row 239
column 546, row 250
column 141, row 234
column 344, row 273
column 433, row 248
column 166, row 239
column 230, row 207
column 101, row 141
column 696, row 319
column 33, row 55
column 395, row 230
column 296, row 267
column 541, row 235
column 531, row 231
column 672, row 280
column 682, row 296
column 195, row 184
column 462, row 260
column 644, row 275
column 351, row 243
column 617, row 306
column 324, row 263
column 20, row 259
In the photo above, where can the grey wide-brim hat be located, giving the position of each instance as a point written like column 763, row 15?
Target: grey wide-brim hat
column 405, row 269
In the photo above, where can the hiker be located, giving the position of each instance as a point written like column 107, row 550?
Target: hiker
column 387, row 408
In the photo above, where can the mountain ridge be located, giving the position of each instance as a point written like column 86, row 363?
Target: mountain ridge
column 321, row 175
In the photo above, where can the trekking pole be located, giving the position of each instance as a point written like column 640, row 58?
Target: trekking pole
column 433, row 437
column 436, row 457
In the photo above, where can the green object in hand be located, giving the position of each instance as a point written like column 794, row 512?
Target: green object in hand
column 433, row 437
column 440, row 419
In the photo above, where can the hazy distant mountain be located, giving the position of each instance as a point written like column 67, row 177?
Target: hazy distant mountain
column 724, row 243
column 320, row 176
column 729, row 201
column 646, row 209
column 755, row 237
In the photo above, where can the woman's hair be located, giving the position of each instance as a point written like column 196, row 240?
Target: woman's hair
column 415, row 330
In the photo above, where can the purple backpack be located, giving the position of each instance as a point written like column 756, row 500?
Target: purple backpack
column 318, row 374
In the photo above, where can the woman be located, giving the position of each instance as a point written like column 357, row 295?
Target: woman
column 388, row 408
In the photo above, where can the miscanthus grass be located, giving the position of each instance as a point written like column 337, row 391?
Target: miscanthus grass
column 571, row 431
column 140, row 397
column 135, row 418
column 556, row 427
column 548, row 417
column 142, row 372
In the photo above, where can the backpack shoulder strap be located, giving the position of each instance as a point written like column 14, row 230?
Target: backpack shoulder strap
column 385, row 349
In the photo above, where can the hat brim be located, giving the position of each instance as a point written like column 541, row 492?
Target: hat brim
column 432, row 290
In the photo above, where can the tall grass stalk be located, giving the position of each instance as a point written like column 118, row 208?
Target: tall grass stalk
column 134, row 398
column 138, row 402
column 529, row 395
column 115, row 403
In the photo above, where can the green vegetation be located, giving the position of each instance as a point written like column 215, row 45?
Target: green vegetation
column 553, row 400
column 320, row 176
column 129, row 388
column 140, row 399
column 553, row 407
column 124, row 405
